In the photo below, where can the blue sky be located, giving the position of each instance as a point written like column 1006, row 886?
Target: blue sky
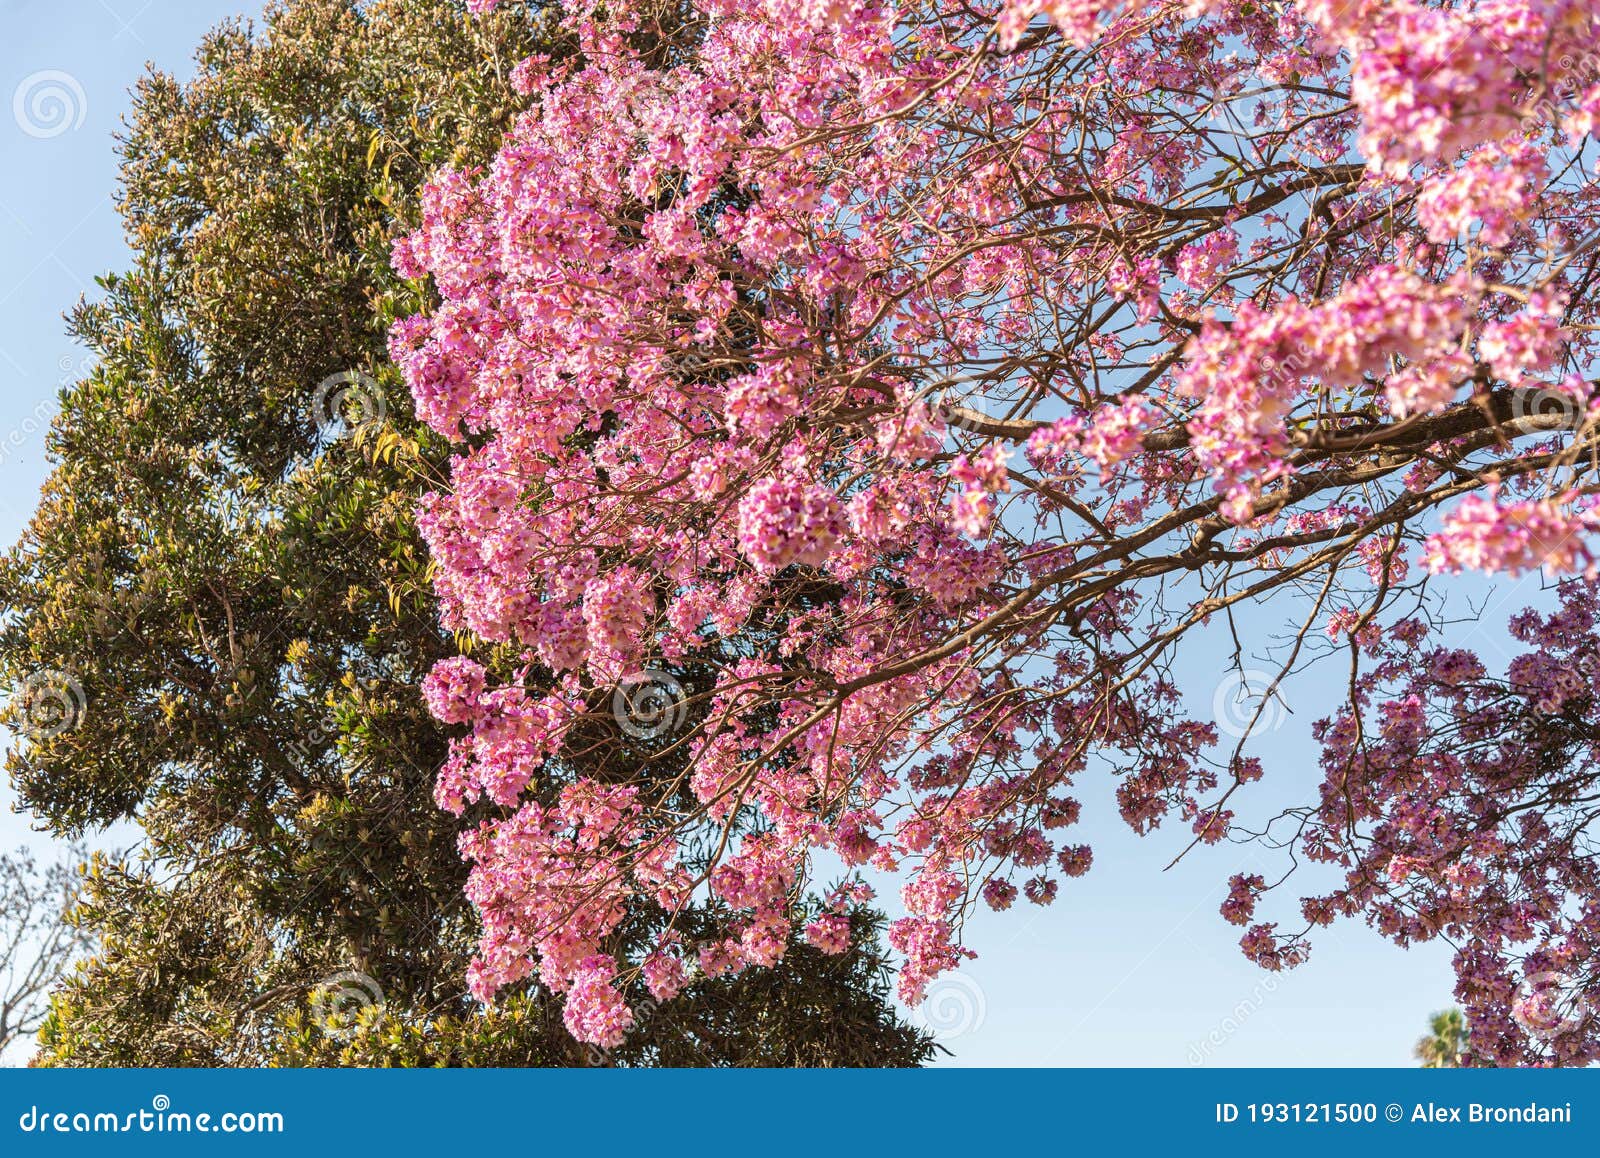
column 65, row 70
column 1131, row 966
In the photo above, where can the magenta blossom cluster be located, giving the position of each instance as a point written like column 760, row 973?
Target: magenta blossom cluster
column 909, row 382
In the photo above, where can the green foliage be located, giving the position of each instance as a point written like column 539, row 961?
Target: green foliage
column 1446, row 1042
column 224, row 569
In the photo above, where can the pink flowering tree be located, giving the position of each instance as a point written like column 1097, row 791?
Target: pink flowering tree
column 861, row 406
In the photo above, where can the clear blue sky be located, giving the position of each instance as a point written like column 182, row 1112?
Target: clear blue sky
column 1131, row 966
column 65, row 70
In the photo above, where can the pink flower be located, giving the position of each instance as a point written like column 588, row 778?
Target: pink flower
column 699, row 324
column 1242, row 893
column 999, row 894
column 1484, row 535
column 664, row 975
column 595, row 1012
column 452, row 689
column 1202, row 263
column 830, row 933
column 784, row 520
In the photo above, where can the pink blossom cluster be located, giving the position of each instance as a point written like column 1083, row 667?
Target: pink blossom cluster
column 787, row 520
column 1431, row 80
column 1249, row 374
column 1426, row 815
column 739, row 337
column 1485, row 535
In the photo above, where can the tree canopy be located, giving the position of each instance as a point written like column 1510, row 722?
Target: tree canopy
column 225, row 592
column 899, row 391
